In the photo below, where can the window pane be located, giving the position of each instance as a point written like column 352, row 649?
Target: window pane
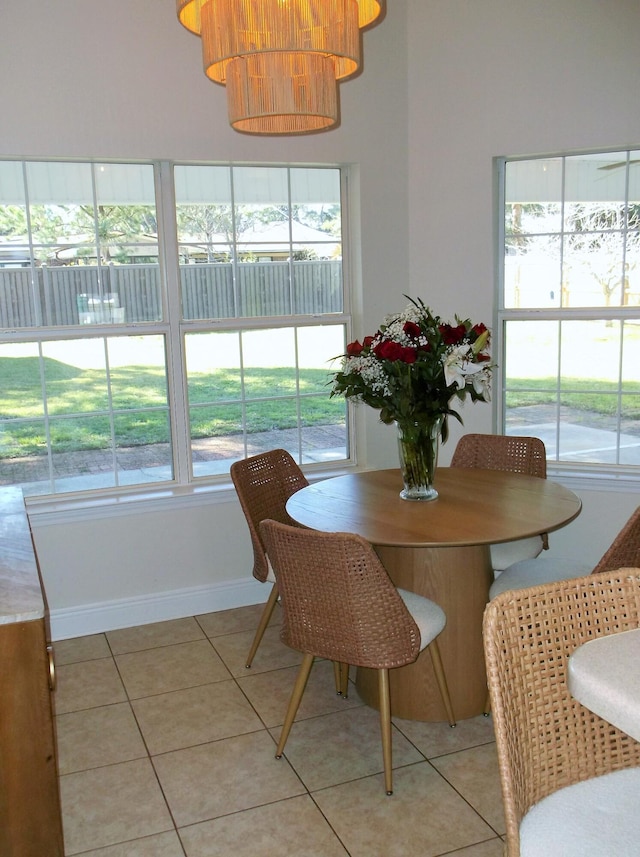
column 531, row 352
column 593, row 268
column 137, row 362
column 630, row 427
column 206, row 233
column 531, row 380
column 270, row 362
column 102, row 396
column 573, row 380
column 261, row 389
column 532, row 272
column 313, row 343
column 75, row 376
column 533, row 196
column 94, row 256
column 143, row 446
column 631, row 354
column 590, row 354
column 20, row 381
column 594, row 190
column 259, row 242
column 81, row 453
column 84, row 404
column 24, row 458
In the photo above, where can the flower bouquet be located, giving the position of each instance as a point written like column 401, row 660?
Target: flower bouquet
column 412, row 370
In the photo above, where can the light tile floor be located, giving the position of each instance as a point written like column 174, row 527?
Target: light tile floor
column 166, row 749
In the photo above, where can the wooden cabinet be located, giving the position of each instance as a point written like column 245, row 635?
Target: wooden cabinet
column 30, row 819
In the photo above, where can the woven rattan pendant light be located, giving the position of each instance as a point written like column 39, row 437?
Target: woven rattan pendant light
column 280, row 59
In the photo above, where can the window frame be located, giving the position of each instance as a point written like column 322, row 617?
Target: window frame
column 185, row 486
column 599, row 476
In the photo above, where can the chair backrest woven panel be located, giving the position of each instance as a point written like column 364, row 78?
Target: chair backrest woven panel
column 338, row 600
column 264, row 483
column 625, row 548
column 501, row 452
column 545, row 738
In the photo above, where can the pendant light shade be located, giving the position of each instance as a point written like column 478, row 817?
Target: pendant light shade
column 243, row 28
column 282, row 93
column 280, row 59
column 368, row 11
column 189, row 13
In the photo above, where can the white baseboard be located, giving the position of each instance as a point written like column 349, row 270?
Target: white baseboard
column 126, row 613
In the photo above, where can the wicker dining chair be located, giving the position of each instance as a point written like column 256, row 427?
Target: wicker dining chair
column 339, row 603
column 263, row 484
column 517, row 455
column 570, row 780
column 624, row 550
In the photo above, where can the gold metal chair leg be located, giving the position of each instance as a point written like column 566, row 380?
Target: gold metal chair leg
column 487, row 706
column 265, row 618
column 294, row 702
column 344, row 680
column 337, row 676
column 436, row 660
column 385, row 728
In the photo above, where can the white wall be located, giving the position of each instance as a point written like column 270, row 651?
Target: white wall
column 509, row 77
column 447, row 86
column 123, row 80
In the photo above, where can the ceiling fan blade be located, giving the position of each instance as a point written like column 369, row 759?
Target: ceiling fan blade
column 618, row 164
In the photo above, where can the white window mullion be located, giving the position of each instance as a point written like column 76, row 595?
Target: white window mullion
column 176, row 368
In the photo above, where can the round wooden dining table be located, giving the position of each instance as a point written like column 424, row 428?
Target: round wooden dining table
column 440, row 549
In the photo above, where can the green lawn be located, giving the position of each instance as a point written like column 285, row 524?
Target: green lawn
column 599, row 397
column 77, row 401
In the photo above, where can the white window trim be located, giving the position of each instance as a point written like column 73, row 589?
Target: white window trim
column 596, row 477
column 184, row 490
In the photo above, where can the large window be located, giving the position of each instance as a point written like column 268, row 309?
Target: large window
column 570, row 306
column 159, row 321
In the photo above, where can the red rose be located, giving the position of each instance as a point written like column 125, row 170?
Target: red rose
column 388, row 350
column 452, row 335
column 366, row 342
column 408, row 355
column 482, row 358
column 354, row 349
column 478, row 329
column 412, row 329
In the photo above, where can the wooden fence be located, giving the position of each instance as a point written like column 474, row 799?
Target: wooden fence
column 73, row 295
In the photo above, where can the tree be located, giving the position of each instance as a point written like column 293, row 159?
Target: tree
column 113, row 225
column 596, row 236
column 212, row 227
column 46, row 222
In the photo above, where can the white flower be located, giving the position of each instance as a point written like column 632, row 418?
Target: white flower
column 455, row 366
column 482, row 384
column 458, row 367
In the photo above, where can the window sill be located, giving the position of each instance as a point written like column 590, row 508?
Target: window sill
column 52, row 511
column 64, row 510
column 623, row 482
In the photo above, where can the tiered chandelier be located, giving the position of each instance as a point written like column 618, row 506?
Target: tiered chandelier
column 280, row 60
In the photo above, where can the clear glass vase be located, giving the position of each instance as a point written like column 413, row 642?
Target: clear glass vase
column 418, row 444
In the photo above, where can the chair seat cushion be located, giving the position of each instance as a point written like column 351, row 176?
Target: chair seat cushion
column 532, row 572
column 594, row 818
column 429, row 618
column 506, row 553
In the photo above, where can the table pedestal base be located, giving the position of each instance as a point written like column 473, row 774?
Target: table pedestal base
column 458, row 579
